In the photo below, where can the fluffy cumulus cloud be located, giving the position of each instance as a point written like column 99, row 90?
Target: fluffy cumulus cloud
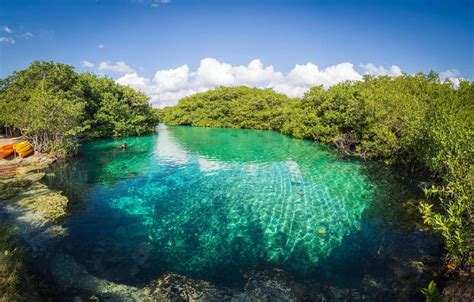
column 452, row 75
column 118, row 67
column 256, row 72
column 303, row 77
column 167, row 86
column 87, row 64
column 211, row 73
column 172, row 79
column 371, row 69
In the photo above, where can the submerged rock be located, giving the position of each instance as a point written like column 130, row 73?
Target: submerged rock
column 261, row 284
column 27, row 192
column 51, row 205
column 409, row 267
column 460, row 289
column 274, row 284
column 11, row 186
column 31, row 207
column 175, row 287
column 270, row 284
column 70, row 275
column 39, row 233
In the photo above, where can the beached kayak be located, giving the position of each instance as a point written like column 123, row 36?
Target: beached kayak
column 20, row 147
column 26, row 152
column 6, row 153
column 6, row 147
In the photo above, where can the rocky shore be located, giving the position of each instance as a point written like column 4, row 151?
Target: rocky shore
column 29, row 205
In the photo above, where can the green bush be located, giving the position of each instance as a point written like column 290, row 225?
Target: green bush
column 231, row 107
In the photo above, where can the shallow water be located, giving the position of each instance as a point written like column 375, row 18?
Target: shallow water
column 209, row 203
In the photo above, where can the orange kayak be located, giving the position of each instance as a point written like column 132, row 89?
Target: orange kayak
column 6, row 147
column 6, row 153
column 25, row 153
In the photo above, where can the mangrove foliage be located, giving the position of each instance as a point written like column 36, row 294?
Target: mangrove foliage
column 54, row 107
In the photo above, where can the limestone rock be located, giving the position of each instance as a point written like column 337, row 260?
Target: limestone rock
column 270, row 284
column 175, row 287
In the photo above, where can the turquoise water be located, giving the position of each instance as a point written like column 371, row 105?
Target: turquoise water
column 210, row 203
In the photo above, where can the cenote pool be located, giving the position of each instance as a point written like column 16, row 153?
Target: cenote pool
column 210, row 203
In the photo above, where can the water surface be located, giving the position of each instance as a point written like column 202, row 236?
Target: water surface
column 209, row 203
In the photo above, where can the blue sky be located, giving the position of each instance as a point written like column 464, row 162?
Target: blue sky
column 148, row 36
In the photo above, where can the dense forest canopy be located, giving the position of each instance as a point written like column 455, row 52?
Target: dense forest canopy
column 54, row 106
column 416, row 121
column 232, row 107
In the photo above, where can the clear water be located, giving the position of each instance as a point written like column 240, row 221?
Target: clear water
column 209, row 203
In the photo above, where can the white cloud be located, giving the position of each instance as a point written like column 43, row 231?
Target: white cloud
column 119, row 67
column 166, row 87
column 87, row 64
column 371, row 69
column 452, row 75
column 100, row 46
column 7, row 40
column 157, row 3
column 303, row 77
column 289, row 90
column 169, row 85
column 27, row 35
column 172, row 79
column 213, row 73
column 255, row 72
column 137, row 82
column 7, row 29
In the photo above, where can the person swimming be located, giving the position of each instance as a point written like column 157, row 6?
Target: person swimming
column 124, row 146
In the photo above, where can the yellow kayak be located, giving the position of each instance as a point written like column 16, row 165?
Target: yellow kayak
column 21, row 144
column 19, row 147
column 19, row 150
column 23, row 149
column 26, row 152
